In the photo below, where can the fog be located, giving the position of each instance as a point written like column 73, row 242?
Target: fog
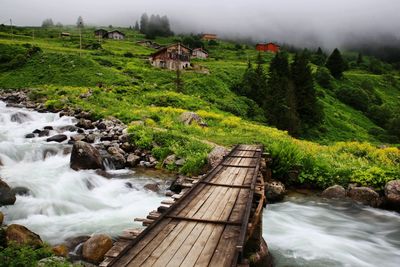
column 328, row 23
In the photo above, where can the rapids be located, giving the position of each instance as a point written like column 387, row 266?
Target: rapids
column 64, row 203
column 307, row 231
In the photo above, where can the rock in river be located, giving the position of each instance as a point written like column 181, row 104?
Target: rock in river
column 335, row 191
column 7, row 196
column 96, row 247
column 57, row 138
column 21, row 235
column 85, row 157
column 365, row 196
column 392, row 192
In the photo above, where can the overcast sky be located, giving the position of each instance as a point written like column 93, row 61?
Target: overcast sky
column 326, row 22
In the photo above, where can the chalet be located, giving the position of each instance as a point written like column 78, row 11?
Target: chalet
column 101, row 33
column 199, row 53
column 172, row 57
column 116, row 35
column 209, row 37
column 269, row 47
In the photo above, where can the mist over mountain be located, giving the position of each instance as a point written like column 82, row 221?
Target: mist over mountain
column 305, row 23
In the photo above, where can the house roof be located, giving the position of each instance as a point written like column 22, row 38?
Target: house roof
column 117, row 32
column 200, row 49
column 268, row 44
column 166, row 47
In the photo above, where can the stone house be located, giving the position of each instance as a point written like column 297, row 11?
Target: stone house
column 199, row 53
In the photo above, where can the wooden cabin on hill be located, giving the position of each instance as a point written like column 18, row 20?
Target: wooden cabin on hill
column 103, row 34
column 269, row 47
column 116, row 35
column 172, row 57
column 199, row 53
column 209, row 37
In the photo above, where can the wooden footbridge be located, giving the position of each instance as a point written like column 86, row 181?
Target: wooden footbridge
column 209, row 225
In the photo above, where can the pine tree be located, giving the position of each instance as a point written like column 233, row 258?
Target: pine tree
column 336, row 64
column 79, row 22
column 144, row 23
column 360, row 59
column 259, row 87
column 319, row 57
column 307, row 106
column 137, row 28
column 280, row 103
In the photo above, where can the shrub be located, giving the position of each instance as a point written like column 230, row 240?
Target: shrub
column 17, row 255
column 128, row 54
column 355, row 97
column 323, row 77
column 18, row 61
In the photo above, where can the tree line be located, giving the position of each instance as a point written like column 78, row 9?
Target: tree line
column 286, row 93
column 153, row 26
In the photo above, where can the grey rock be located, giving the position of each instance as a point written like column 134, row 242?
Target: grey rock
column 392, row 193
column 7, row 196
column 59, row 138
column 189, row 118
column 84, row 157
column 335, row 191
column 274, row 190
column 133, row 160
column 20, row 117
column 364, row 195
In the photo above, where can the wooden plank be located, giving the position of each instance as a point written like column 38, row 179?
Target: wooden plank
column 162, row 253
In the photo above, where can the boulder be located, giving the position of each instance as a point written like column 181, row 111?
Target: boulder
column 216, row 155
column 48, row 128
column 169, row 160
column 274, row 190
column 20, row 117
column 21, row 235
column 7, row 196
column 1, row 218
column 57, row 138
column 364, row 195
column 335, row 191
column 127, row 147
column 392, row 193
column 189, row 118
column 68, row 128
column 44, row 133
column 133, row 160
column 77, row 137
column 21, row 191
column 72, row 242
column 177, row 184
column 30, row 135
column 49, row 152
column 180, row 162
column 116, row 157
column 89, row 138
column 60, row 250
column 96, row 247
column 85, row 157
column 85, row 124
column 152, row 187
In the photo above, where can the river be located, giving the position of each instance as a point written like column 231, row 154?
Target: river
column 64, row 203
column 312, row 232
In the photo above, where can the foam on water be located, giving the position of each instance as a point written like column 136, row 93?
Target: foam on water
column 64, row 203
column 315, row 232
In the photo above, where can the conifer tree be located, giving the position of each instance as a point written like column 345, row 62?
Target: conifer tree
column 280, row 103
column 259, row 88
column 144, row 23
column 137, row 28
column 308, row 108
column 360, row 59
column 336, row 64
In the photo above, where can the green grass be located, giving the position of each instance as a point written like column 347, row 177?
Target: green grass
column 132, row 90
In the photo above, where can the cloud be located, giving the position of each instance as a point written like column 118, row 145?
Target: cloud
column 300, row 22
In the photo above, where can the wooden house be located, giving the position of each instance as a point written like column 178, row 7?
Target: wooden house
column 172, row 57
column 116, row 35
column 209, row 37
column 199, row 53
column 269, row 47
column 101, row 33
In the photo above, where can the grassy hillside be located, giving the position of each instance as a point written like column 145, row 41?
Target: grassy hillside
column 124, row 85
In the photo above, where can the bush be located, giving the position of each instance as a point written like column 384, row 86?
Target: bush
column 128, row 55
column 355, row 97
column 17, row 255
column 323, row 77
column 18, row 61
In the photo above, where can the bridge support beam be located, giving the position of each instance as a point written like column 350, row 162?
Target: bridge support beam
column 256, row 249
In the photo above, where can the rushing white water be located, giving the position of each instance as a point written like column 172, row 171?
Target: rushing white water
column 62, row 202
column 315, row 232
